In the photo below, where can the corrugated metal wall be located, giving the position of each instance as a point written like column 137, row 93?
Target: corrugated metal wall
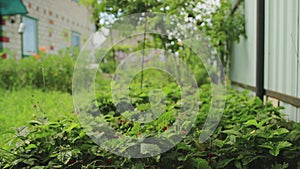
column 281, row 37
column 281, row 50
column 243, row 64
column 298, row 62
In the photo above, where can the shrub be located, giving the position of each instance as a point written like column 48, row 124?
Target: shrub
column 50, row 72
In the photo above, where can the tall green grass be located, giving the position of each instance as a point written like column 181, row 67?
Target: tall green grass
column 19, row 107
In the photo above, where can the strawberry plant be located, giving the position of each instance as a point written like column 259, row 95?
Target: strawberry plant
column 251, row 134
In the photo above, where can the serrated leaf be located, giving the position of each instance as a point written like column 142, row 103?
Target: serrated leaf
column 64, row 156
column 267, row 146
column 238, row 164
column 248, row 159
column 218, row 143
column 232, row 132
column 199, row 163
column 225, row 162
column 29, row 161
column 35, row 122
column 31, row 146
column 274, row 148
column 38, row 167
column 280, row 131
column 253, row 122
column 74, row 125
column 22, row 131
column 261, row 123
column 283, row 144
column 184, row 146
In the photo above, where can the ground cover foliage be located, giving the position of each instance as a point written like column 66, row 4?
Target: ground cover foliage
column 251, row 134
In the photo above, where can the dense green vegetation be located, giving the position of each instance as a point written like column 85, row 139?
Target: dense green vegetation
column 34, row 88
column 250, row 135
column 47, row 73
column 20, row 106
column 40, row 129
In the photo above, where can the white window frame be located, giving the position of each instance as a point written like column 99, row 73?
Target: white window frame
column 30, row 36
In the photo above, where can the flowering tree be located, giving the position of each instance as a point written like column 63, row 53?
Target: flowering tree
column 221, row 20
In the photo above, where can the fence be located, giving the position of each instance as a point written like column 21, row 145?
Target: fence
column 281, row 54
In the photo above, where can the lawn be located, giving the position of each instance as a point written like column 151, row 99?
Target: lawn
column 20, row 106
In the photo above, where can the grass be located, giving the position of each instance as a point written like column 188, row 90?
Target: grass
column 20, row 106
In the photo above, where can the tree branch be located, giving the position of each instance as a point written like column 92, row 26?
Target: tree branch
column 236, row 6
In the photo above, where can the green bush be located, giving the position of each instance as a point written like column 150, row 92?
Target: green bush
column 50, row 72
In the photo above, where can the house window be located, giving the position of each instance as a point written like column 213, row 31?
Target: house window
column 30, row 36
column 75, row 42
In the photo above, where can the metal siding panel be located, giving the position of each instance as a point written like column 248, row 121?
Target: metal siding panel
column 298, row 84
column 298, row 62
column 252, row 41
column 281, row 33
column 298, row 115
column 238, row 65
column 298, row 59
column 290, row 111
column 291, row 45
column 275, row 45
column 243, row 60
column 278, row 75
column 291, row 35
column 282, row 73
column 285, row 54
column 281, row 27
column 267, row 42
column 272, row 45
